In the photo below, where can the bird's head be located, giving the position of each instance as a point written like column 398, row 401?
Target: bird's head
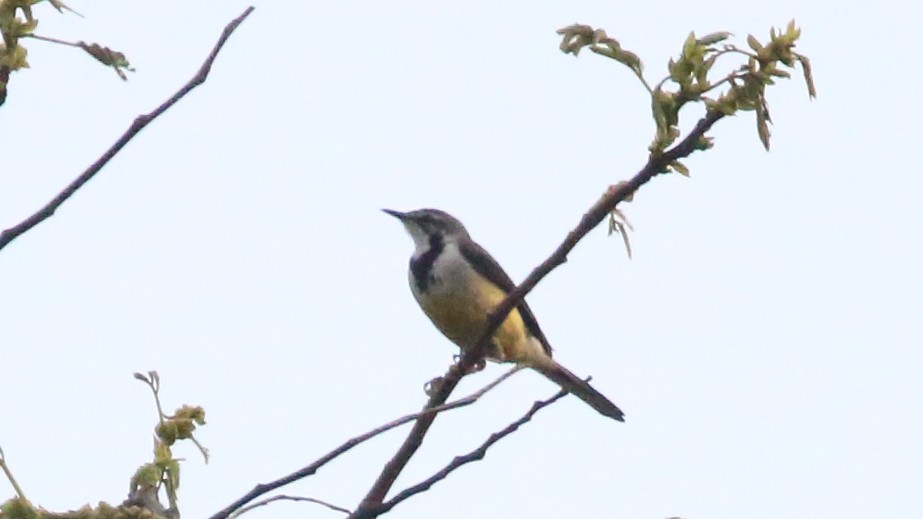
column 425, row 225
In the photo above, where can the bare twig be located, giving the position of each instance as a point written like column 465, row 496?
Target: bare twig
column 9, row 476
column 656, row 164
column 139, row 123
column 152, row 379
column 4, row 82
column 283, row 497
column 49, row 39
column 475, row 455
column 352, row 442
column 393, row 467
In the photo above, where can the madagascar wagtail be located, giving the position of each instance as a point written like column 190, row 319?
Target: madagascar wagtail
column 457, row 284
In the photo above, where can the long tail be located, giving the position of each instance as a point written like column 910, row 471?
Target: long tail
column 581, row 389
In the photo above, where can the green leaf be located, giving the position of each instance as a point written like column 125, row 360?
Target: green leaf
column 168, row 432
column 162, row 453
column 107, row 56
column 61, row 7
column 762, row 127
column 147, row 475
column 611, row 48
column 678, row 167
column 657, row 107
column 680, row 71
column 754, row 43
column 631, row 60
column 19, row 29
column 727, row 103
column 713, row 38
column 792, row 31
column 614, row 51
column 19, row 508
column 575, row 37
column 173, row 474
column 704, row 143
column 808, row 76
column 15, row 59
column 689, row 46
column 780, row 73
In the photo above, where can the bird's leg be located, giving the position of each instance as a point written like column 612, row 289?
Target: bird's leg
column 479, row 365
column 433, row 386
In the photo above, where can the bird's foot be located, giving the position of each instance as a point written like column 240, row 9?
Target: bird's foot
column 433, row 386
column 479, row 365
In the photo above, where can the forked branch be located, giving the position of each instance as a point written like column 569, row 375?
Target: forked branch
column 139, row 123
column 309, row 470
column 372, row 504
column 745, row 92
column 475, row 455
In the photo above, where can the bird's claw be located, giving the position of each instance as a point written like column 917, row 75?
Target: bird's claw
column 433, row 386
column 479, row 365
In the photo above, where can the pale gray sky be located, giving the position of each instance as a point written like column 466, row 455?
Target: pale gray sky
column 764, row 341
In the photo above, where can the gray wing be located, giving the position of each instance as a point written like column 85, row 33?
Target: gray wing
column 488, row 267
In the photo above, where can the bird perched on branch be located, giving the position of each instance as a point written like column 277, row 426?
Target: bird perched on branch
column 457, row 284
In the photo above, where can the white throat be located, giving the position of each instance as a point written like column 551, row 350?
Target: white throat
column 420, row 239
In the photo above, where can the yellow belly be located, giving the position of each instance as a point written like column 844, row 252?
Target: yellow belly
column 461, row 315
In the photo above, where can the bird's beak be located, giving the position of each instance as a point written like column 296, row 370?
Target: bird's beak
column 397, row 214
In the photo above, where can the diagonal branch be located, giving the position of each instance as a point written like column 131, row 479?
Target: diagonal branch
column 475, row 455
column 4, row 82
column 283, row 497
column 309, row 470
column 139, row 123
column 656, row 165
column 414, row 439
column 9, row 475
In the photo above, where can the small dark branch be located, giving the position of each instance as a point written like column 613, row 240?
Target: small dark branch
column 9, row 476
column 597, row 213
column 309, row 470
column 428, row 413
column 146, row 498
column 396, row 464
column 4, row 82
column 475, row 455
column 265, row 502
column 139, row 123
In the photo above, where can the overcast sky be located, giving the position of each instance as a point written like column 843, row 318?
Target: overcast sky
column 764, row 342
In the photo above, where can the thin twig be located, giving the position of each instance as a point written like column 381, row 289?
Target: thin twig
column 139, row 123
column 152, row 379
column 656, row 165
column 475, row 455
column 414, row 439
column 4, row 82
column 283, row 497
column 352, row 442
column 9, row 476
column 51, row 40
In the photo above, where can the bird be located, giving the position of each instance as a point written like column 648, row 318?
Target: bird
column 457, row 284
